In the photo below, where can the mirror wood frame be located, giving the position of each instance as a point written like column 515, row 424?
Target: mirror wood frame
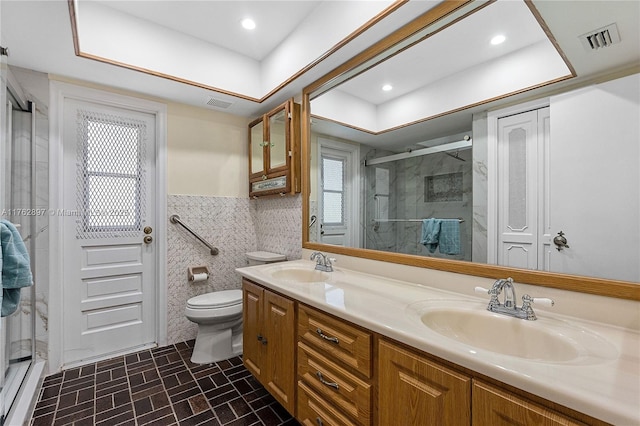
column 583, row 284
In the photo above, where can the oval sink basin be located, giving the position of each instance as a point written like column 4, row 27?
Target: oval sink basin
column 501, row 334
column 543, row 340
column 301, row 275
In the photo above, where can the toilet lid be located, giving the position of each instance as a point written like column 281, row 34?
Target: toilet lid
column 216, row 299
column 265, row 256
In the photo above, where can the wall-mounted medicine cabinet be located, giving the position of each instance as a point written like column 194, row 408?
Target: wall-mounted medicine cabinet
column 274, row 152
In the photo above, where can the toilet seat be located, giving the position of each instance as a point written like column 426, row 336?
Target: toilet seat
column 216, row 299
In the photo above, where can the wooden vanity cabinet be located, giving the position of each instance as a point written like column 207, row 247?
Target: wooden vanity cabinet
column 269, row 341
column 420, row 391
column 494, row 406
column 322, row 369
column 274, row 152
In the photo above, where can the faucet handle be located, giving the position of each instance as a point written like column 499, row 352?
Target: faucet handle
column 542, row 301
column 482, row 290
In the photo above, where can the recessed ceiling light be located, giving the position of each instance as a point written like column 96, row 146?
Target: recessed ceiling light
column 387, row 87
column 248, row 24
column 498, row 39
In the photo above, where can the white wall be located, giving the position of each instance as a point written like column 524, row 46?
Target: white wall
column 595, row 179
column 207, row 152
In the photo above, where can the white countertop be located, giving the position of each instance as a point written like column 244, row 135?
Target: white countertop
column 607, row 389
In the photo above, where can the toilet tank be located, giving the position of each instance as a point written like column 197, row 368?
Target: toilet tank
column 263, row 257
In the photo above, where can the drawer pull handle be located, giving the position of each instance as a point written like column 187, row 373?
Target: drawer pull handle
column 319, row 421
column 325, row 337
column 324, row 382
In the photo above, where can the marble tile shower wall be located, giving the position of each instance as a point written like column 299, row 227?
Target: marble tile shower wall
column 414, row 204
column 379, row 202
column 235, row 226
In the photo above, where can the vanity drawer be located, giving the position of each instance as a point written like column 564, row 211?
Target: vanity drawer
column 337, row 339
column 335, row 384
column 313, row 410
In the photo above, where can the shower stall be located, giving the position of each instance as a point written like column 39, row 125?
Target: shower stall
column 403, row 189
column 19, row 197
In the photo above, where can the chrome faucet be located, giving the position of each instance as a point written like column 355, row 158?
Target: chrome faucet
column 508, row 307
column 323, row 262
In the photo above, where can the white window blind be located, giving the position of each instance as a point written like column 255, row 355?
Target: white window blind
column 333, row 191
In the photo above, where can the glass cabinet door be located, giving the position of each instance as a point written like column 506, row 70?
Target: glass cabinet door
column 278, row 140
column 256, row 148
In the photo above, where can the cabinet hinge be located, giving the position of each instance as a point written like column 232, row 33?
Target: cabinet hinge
column 289, row 115
column 290, row 154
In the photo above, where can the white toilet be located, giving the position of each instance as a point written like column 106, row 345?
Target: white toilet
column 219, row 318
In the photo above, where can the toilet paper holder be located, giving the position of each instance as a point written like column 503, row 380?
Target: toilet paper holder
column 194, row 273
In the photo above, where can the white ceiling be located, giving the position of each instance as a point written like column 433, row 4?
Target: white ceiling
column 218, row 22
column 295, row 35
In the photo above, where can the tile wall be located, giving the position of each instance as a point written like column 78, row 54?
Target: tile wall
column 235, row 226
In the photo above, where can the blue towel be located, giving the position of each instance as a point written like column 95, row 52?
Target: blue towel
column 449, row 236
column 430, row 234
column 14, row 262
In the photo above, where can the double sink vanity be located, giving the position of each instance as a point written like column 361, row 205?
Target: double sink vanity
column 338, row 346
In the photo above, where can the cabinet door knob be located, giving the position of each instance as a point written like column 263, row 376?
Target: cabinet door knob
column 319, row 421
column 262, row 339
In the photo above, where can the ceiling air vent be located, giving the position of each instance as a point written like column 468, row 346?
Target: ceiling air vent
column 218, row 103
column 602, row 37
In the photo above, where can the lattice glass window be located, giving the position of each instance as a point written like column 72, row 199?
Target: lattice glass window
column 333, row 191
column 111, row 175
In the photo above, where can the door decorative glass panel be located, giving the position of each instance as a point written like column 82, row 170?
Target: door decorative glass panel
column 111, row 175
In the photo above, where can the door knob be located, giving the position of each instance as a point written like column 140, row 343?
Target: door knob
column 147, row 230
column 560, row 241
column 147, row 239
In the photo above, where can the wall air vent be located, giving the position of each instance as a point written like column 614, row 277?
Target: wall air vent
column 218, row 103
column 602, row 37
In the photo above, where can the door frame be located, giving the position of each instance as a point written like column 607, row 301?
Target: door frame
column 352, row 174
column 492, row 167
column 58, row 93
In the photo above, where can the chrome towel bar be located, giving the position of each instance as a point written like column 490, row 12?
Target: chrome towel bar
column 176, row 219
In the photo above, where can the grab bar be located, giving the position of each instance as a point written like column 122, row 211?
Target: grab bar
column 176, row 219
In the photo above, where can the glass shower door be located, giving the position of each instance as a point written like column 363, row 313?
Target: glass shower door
column 17, row 328
column 17, row 345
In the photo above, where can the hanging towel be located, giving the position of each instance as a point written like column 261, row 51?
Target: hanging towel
column 430, row 234
column 449, row 236
column 15, row 265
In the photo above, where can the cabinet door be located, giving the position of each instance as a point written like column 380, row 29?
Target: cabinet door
column 493, row 406
column 280, row 367
column 252, row 334
column 278, row 137
column 257, row 149
column 419, row 391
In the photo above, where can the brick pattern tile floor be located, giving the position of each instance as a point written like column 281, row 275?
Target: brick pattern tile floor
column 160, row 386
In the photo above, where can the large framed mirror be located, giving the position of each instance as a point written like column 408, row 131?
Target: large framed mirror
column 382, row 165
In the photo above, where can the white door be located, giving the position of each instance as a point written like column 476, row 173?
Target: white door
column 338, row 189
column 518, row 190
column 109, row 253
